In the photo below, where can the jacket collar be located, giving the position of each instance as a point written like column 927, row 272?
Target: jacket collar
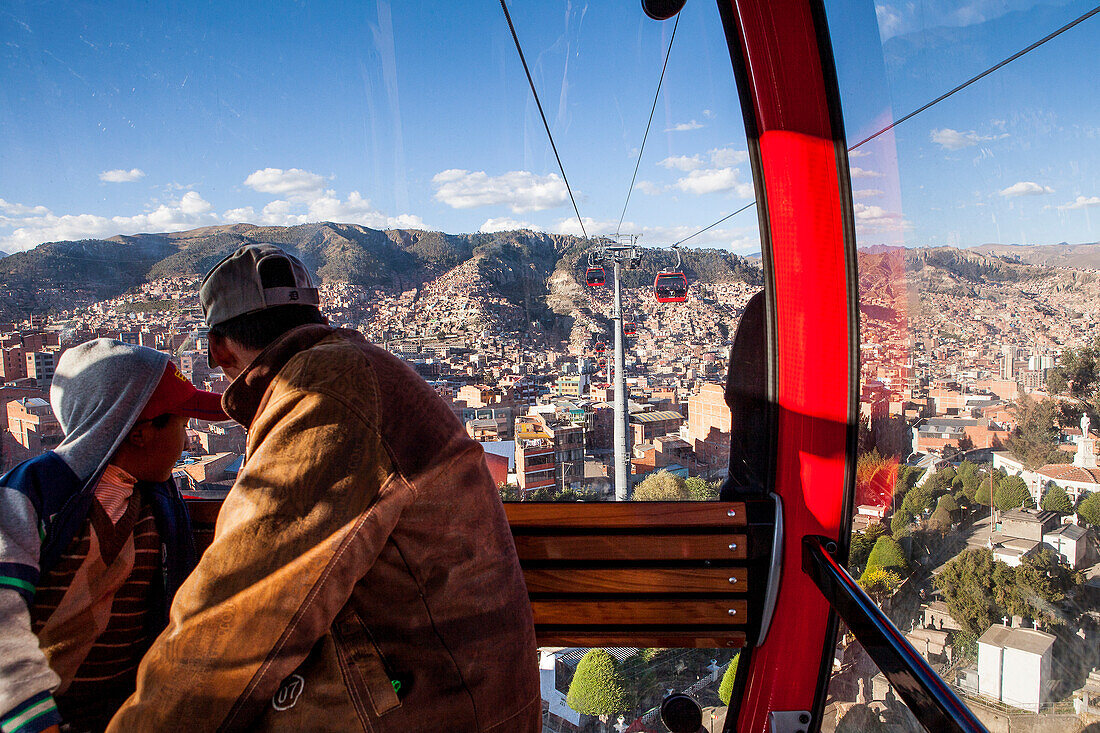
column 244, row 396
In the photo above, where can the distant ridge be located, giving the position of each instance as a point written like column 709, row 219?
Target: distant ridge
column 515, row 265
column 1084, row 256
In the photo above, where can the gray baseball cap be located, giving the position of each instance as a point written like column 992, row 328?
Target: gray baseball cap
column 235, row 286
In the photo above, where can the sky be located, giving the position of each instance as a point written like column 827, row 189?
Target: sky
column 119, row 119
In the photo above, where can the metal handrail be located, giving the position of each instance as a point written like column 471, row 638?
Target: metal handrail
column 930, row 698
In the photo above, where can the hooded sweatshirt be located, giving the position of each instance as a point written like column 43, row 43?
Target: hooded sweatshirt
column 99, row 389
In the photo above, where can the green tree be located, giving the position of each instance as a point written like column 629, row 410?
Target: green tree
column 879, row 582
column 1039, row 587
column 984, row 494
column 1089, row 509
column 699, row 489
column 862, row 543
column 1012, row 494
column 968, row 588
column 965, row 644
column 661, row 486
column 509, row 492
column 725, row 689
column 597, row 687
column 1057, row 500
column 919, row 498
column 942, row 480
column 887, row 555
column 1035, row 439
column 968, row 478
column 948, row 503
column 899, row 523
column 940, row 521
column 1077, row 372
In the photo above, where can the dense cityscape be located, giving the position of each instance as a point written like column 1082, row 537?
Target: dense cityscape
column 969, row 406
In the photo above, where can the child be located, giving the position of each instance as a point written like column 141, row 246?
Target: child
column 94, row 537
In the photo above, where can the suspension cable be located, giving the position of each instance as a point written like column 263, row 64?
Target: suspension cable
column 647, row 124
column 711, row 226
column 985, row 73
column 531, row 82
column 1080, row 19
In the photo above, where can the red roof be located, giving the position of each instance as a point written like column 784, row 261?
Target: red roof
column 1069, row 472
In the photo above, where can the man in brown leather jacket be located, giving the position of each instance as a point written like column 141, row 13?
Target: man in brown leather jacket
column 362, row 574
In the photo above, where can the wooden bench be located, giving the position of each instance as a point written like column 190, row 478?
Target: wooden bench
column 630, row 574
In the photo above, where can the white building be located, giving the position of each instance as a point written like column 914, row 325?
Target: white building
column 1078, row 478
column 1069, row 541
column 1014, row 666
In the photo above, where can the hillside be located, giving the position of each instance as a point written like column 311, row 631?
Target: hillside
column 520, row 266
column 1079, row 256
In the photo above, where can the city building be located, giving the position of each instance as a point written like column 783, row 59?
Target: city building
column 708, row 427
column 40, row 367
column 1014, row 666
column 31, row 421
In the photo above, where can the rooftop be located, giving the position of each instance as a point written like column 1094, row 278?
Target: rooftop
column 1026, row 640
column 658, row 416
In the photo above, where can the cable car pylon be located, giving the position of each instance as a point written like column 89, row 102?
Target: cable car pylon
column 622, row 252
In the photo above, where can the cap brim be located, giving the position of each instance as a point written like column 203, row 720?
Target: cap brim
column 202, row 406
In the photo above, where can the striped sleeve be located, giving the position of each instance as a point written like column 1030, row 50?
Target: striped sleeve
column 25, row 676
column 33, row 716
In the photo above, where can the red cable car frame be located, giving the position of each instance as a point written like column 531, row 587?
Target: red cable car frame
column 786, row 79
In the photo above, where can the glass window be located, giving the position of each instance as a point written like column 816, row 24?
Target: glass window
column 978, row 302
column 398, row 149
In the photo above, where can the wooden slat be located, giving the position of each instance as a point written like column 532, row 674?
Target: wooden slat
column 624, row 515
column 639, row 580
column 630, row 547
column 626, row 613
column 643, row 639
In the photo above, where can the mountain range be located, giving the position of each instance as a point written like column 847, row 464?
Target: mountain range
column 518, row 264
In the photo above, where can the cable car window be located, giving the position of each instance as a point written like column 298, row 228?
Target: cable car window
column 973, row 160
column 398, row 150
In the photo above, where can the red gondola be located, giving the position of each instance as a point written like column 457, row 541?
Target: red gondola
column 670, row 287
column 599, row 347
column 630, row 328
column 594, row 277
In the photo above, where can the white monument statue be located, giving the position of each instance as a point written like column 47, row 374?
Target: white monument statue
column 1085, row 456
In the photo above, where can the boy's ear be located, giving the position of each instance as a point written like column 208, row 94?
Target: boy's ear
column 138, row 436
column 220, row 351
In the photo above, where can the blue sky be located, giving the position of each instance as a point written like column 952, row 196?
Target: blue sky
column 115, row 119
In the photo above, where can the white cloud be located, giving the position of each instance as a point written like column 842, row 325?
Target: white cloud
column 1081, row 202
column 684, row 126
column 709, row 114
column 726, row 157
column 866, row 193
column 858, row 154
column 1026, row 188
column 711, row 180
column 949, row 139
column 744, row 239
column 33, row 225
column 877, row 219
column 9, row 209
column 506, row 224
column 294, row 183
column 521, row 190
column 193, row 203
column 682, row 162
column 592, row 226
column 40, row 225
column 857, row 172
column 649, row 188
column 121, row 175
